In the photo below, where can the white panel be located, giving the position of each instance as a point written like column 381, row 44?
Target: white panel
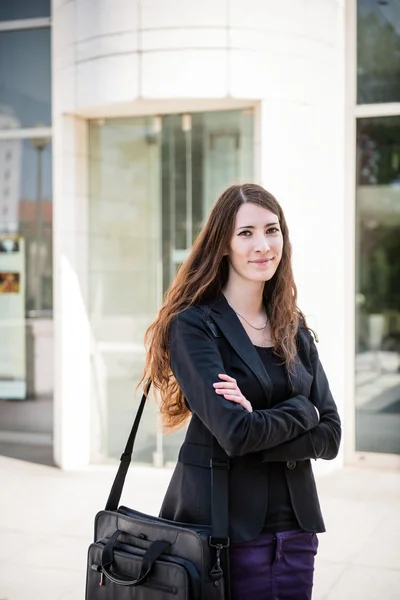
column 157, row 14
column 74, row 140
column 159, row 39
column 276, row 44
column 76, row 182
column 110, row 79
column 249, row 75
column 105, row 45
column 257, row 39
column 190, row 73
column 64, row 86
column 63, row 29
column 321, row 20
column 254, row 74
column 285, row 15
column 64, row 57
column 105, row 17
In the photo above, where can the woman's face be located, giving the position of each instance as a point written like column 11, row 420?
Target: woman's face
column 255, row 249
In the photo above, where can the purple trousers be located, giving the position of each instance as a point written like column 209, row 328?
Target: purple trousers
column 274, row 566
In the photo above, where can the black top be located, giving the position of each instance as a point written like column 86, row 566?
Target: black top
column 280, row 515
column 207, row 340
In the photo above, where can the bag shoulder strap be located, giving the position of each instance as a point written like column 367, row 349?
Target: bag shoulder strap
column 219, row 464
column 126, row 457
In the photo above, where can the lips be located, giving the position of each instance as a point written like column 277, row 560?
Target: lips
column 262, row 261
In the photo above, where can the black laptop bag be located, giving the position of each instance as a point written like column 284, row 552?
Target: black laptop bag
column 136, row 556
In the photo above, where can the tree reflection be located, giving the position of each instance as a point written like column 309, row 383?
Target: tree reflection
column 378, row 56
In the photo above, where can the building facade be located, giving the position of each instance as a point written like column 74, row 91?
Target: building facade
column 151, row 108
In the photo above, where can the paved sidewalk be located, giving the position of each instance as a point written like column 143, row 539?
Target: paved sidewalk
column 46, row 525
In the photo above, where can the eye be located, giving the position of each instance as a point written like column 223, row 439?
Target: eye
column 245, row 232
column 273, row 230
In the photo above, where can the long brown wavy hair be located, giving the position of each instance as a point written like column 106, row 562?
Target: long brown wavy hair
column 202, row 278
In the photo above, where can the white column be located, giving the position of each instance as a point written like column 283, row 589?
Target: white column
column 302, row 164
column 70, row 199
column 72, row 332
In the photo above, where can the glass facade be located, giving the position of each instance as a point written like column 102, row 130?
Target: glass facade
column 378, row 51
column 152, row 183
column 26, row 209
column 25, row 91
column 15, row 10
column 378, row 285
column 26, row 217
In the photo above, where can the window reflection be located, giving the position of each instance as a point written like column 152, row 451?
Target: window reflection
column 202, row 154
column 25, row 78
column 26, row 334
column 378, row 285
column 378, row 51
column 24, row 9
column 26, row 210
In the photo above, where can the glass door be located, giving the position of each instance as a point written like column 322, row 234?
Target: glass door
column 124, row 292
column 153, row 181
column 202, row 154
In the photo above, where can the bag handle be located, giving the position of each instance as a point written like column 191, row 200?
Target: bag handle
column 152, row 553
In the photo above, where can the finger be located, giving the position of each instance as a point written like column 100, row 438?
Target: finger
column 234, row 395
column 228, row 391
column 226, row 377
column 227, row 384
column 233, row 398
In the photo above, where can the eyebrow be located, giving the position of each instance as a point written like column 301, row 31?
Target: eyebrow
column 252, row 226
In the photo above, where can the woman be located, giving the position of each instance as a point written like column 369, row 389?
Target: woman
column 231, row 350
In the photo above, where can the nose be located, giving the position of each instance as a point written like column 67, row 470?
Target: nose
column 262, row 244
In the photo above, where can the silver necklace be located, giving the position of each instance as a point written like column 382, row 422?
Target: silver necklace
column 248, row 322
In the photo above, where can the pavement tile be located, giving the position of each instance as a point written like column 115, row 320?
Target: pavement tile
column 387, row 535
column 41, row 583
column 60, row 552
column 326, row 575
column 349, row 526
column 16, row 545
column 366, row 583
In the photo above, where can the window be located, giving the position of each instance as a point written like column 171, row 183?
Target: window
column 13, row 10
column 378, row 51
column 25, row 91
column 378, row 285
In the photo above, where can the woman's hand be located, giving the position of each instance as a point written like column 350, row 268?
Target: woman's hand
column 230, row 390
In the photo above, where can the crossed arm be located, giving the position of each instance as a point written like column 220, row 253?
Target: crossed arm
column 196, row 363
column 322, row 441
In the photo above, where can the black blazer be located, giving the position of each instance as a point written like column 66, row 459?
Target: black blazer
column 206, row 341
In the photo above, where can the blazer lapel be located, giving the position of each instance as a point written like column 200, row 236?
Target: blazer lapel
column 234, row 332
